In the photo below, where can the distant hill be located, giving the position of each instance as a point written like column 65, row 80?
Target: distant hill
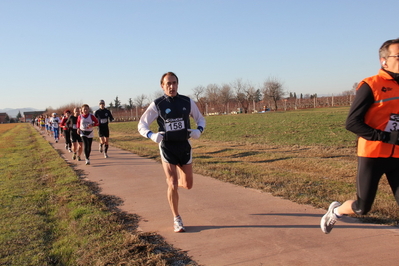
column 14, row 112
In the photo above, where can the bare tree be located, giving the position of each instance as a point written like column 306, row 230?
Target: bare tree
column 212, row 95
column 139, row 103
column 239, row 88
column 273, row 89
column 252, row 95
column 199, row 92
column 225, row 95
column 244, row 93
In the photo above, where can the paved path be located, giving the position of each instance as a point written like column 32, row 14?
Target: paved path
column 231, row 225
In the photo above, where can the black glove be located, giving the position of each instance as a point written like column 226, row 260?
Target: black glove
column 391, row 137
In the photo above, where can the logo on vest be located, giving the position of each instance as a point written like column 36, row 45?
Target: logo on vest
column 386, row 89
column 167, row 111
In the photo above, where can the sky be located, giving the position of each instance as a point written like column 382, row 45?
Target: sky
column 58, row 52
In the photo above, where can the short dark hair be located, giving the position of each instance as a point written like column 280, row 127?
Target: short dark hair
column 169, row 74
column 384, row 49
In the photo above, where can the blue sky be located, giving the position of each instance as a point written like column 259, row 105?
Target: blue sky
column 53, row 53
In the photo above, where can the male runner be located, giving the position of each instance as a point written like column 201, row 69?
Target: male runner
column 373, row 117
column 172, row 112
column 104, row 116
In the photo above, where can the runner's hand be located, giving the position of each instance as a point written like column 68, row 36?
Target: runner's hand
column 157, row 137
column 195, row 133
column 392, row 137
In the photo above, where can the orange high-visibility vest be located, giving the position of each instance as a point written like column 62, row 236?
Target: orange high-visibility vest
column 386, row 103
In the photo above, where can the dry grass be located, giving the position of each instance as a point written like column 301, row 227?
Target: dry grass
column 285, row 165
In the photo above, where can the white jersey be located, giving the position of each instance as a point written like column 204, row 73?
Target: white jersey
column 54, row 122
column 86, row 126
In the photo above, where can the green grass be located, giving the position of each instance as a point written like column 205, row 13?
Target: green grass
column 306, row 156
column 301, row 127
column 49, row 216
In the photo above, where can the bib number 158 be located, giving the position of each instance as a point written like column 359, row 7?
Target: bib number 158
column 174, row 126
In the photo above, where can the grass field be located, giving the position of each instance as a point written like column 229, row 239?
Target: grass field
column 306, row 156
column 49, row 216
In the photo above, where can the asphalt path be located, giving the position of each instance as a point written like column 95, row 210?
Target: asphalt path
column 231, row 225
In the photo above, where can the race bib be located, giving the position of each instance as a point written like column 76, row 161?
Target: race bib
column 85, row 125
column 393, row 123
column 104, row 120
column 55, row 125
column 175, row 125
column 74, row 126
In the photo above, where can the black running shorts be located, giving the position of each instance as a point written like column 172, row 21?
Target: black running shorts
column 103, row 131
column 75, row 136
column 176, row 152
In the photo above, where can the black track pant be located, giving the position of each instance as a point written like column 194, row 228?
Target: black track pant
column 87, row 146
column 67, row 137
column 370, row 171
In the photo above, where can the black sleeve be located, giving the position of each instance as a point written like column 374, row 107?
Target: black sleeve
column 68, row 122
column 111, row 118
column 355, row 120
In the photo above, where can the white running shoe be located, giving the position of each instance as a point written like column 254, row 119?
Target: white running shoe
column 178, row 225
column 329, row 219
column 105, row 155
column 87, row 162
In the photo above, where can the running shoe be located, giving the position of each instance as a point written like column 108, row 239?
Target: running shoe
column 66, row 146
column 178, row 225
column 87, row 162
column 100, row 148
column 105, row 155
column 329, row 219
column 70, row 150
column 79, row 158
column 74, row 156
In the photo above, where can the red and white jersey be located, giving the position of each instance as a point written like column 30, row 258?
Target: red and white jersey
column 86, row 124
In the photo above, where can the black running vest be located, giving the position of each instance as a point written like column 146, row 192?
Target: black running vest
column 174, row 117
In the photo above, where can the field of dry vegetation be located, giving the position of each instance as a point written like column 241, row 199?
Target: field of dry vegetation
column 306, row 156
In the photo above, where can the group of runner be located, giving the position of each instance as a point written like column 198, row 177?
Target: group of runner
column 49, row 124
column 77, row 128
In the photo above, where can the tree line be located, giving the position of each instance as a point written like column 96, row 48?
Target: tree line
column 229, row 98
column 237, row 97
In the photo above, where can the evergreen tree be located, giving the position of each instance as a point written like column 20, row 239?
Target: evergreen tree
column 117, row 104
column 19, row 116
